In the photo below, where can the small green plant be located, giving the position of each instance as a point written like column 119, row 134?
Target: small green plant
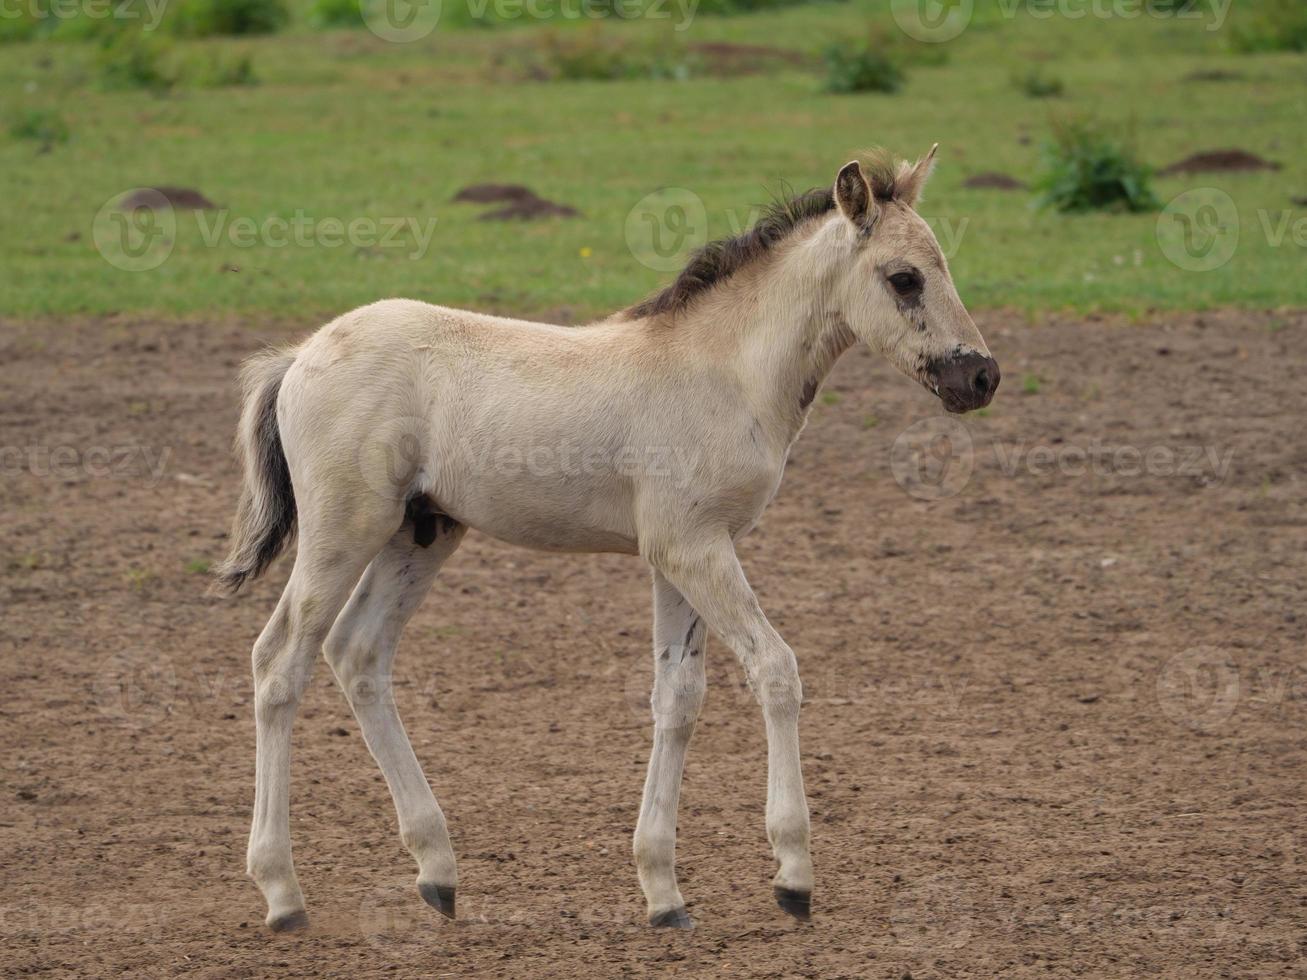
column 1030, row 383
column 336, row 13
column 1086, row 169
column 139, row 579
column 226, row 18
column 862, row 67
column 134, row 59
column 1272, row 25
column 830, row 397
column 45, row 126
column 1038, row 84
column 870, row 422
column 198, row 566
column 217, row 71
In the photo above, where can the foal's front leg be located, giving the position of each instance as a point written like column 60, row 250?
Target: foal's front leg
column 709, row 575
column 679, row 683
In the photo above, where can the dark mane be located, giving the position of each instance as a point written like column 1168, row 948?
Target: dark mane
column 718, row 261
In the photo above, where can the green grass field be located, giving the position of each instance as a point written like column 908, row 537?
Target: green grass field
column 345, row 126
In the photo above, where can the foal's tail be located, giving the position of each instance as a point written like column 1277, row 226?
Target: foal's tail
column 265, row 516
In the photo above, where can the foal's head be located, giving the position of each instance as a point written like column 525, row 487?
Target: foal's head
column 895, row 290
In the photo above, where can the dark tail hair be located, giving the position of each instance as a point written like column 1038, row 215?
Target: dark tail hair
column 265, row 517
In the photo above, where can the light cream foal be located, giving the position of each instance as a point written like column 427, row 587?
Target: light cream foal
column 661, row 431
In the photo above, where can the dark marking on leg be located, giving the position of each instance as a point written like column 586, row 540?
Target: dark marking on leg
column 672, row 919
column 796, row 903
column 689, row 634
column 439, row 897
column 665, row 654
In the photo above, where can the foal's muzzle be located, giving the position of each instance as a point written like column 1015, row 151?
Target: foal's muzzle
column 965, row 381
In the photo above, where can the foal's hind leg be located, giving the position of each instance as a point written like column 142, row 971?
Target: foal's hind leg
column 679, row 684
column 361, row 648
column 336, row 542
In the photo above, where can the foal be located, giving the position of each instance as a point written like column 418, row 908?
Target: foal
column 398, row 426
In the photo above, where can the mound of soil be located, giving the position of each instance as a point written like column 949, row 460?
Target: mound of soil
column 530, row 209
column 1219, row 161
column 993, row 182
column 490, row 193
column 523, row 204
column 1213, row 75
column 179, row 198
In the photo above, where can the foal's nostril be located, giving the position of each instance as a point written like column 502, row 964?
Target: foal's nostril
column 981, row 383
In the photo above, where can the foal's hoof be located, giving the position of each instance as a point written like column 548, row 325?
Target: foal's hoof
column 439, row 897
column 676, row 918
column 796, row 903
column 290, row 921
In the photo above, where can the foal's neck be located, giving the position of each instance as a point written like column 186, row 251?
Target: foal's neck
column 792, row 334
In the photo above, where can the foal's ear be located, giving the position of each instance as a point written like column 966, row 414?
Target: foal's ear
column 911, row 180
column 853, row 195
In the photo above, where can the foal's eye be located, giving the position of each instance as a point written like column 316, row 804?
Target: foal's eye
column 905, row 283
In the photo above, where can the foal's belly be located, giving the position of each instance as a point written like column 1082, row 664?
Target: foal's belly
column 547, row 515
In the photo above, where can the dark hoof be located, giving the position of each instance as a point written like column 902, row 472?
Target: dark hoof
column 796, row 903
column 439, row 898
column 290, row 922
column 672, row 919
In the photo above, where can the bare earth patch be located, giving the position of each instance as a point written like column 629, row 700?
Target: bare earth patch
column 179, row 198
column 1053, row 723
column 993, row 181
column 521, row 203
column 1219, row 161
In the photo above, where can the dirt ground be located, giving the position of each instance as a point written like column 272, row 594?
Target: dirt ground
column 1054, row 719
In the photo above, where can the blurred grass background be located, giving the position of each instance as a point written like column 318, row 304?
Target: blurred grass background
column 340, row 124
